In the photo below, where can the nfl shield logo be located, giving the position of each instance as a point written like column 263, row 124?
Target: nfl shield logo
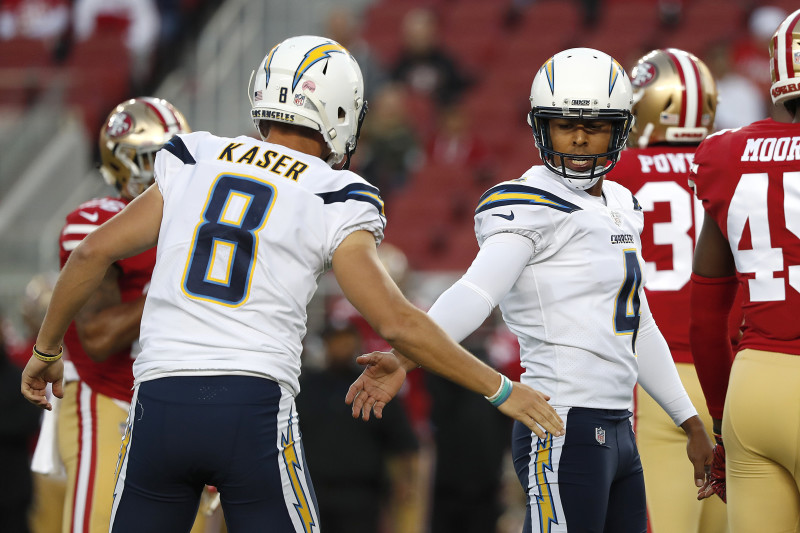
column 600, row 435
column 299, row 99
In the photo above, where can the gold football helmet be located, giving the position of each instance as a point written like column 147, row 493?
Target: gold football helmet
column 674, row 99
column 134, row 131
column 784, row 60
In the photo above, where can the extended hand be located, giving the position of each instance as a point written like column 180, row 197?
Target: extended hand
column 35, row 377
column 379, row 383
column 698, row 448
column 530, row 407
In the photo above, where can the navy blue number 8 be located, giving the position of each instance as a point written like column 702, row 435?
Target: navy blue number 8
column 626, row 314
column 221, row 262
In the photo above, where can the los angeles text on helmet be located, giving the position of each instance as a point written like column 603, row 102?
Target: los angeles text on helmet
column 273, row 115
column 772, row 149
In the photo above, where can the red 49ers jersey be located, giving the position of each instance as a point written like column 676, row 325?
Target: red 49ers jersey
column 657, row 177
column 114, row 376
column 749, row 181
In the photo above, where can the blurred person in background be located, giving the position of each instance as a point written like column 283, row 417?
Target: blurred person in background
column 367, row 475
column 391, row 147
column 138, row 20
column 342, row 25
column 46, row 20
column 740, row 101
column 423, row 65
column 675, row 100
column 102, row 342
column 455, row 143
column 516, row 11
column 254, row 224
column 32, row 307
column 749, row 51
column 18, row 426
column 749, row 59
column 749, row 182
column 471, row 442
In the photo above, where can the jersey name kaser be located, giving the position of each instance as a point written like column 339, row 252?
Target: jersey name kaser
column 280, row 164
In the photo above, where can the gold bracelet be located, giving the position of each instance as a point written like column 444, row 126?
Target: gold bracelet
column 47, row 357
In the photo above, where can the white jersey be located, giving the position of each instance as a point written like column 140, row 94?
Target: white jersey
column 248, row 227
column 575, row 306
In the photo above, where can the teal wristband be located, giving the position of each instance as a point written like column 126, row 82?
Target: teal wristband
column 502, row 393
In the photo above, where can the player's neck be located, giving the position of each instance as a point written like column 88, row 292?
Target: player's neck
column 596, row 189
column 297, row 141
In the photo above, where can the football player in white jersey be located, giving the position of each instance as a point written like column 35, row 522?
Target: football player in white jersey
column 244, row 229
column 560, row 254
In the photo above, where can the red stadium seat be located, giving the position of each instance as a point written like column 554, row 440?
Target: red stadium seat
column 24, row 53
column 551, row 21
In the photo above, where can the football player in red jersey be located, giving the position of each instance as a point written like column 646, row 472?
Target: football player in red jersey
column 675, row 99
column 101, row 342
column 749, row 182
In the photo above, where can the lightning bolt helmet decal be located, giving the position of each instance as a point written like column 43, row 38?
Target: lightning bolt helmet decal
column 268, row 62
column 613, row 75
column 314, row 56
column 549, row 71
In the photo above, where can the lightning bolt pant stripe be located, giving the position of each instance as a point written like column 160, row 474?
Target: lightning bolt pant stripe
column 588, row 480
column 237, row 433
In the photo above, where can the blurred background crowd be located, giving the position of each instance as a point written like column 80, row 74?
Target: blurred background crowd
column 447, row 83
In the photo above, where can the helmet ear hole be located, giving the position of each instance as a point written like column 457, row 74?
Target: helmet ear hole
column 342, row 114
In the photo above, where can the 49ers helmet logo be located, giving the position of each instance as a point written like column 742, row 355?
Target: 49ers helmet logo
column 644, row 75
column 119, row 124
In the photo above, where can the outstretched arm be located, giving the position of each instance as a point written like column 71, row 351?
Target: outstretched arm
column 130, row 232
column 412, row 333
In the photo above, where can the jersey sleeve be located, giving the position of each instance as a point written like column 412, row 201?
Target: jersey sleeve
column 354, row 205
column 84, row 220
column 176, row 153
column 705, row 176
column 521, row 209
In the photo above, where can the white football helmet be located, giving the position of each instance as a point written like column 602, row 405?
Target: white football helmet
column 675, row 99
column 134, row 131
column 581, row 83
column 784, row 60
column 313, row 82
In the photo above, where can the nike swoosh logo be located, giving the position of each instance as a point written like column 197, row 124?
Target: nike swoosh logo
column 509, row 216
column 91, row 217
